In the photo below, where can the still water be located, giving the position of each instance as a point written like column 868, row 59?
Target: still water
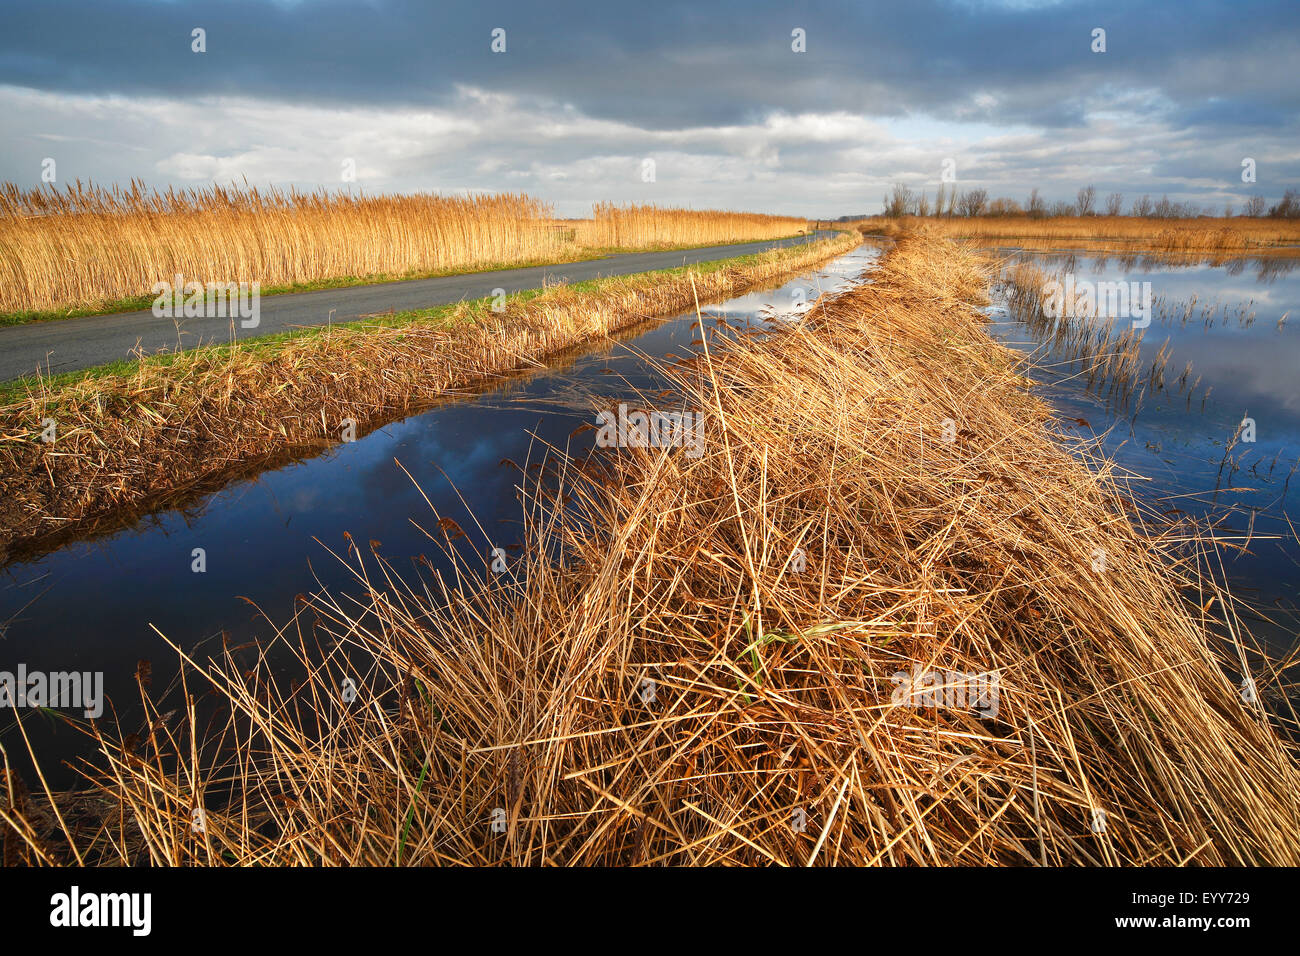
column 1230, row 335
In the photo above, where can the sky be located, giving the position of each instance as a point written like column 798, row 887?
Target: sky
column 699, row 104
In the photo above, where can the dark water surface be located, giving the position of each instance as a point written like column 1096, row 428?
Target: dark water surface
column 1228, row 321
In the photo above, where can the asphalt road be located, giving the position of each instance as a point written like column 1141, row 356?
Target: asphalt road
column 67, row 345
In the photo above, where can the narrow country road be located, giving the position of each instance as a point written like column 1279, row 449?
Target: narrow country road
column 67, row 345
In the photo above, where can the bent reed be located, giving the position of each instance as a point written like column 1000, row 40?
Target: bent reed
column 129, row 440
column 695, row 660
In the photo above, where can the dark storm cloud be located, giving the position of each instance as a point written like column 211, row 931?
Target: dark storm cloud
column 1216, row 114
column 674, row 65
column 410, row 93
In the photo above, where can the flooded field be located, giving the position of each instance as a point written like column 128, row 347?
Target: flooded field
column 1205, row 405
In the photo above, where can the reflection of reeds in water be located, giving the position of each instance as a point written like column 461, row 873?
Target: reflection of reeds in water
column 1268, row 267
column 1234, row 463
column 1164, row 310
column 1106, row 355
column 1209, row 314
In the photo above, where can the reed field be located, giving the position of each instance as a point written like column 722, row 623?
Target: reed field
column 87, row 248
column 1205, row 234
column 162, row 427
column 881, row 499
column 635, row 227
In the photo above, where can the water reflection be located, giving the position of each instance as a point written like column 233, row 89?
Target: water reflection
column 1265, row 268
column 1210, row 409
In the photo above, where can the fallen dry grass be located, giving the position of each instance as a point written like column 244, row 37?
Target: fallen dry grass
column 828, row 540
column 129, row 441
column 88, row 247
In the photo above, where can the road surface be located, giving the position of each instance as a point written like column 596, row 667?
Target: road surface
column 68, row 345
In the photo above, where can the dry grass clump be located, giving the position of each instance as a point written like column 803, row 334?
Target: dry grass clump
column 1116, row 232
column 698, row 660
column 637, row 226
column 130, row 441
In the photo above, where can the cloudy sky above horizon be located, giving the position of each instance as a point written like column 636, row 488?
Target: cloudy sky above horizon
column 288, row 91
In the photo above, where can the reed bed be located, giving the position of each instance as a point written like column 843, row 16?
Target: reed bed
column 89, row 247
column 697, row 660
column 130, row 441
column 1106, row 353
column 1206, row 234
column 639, row 226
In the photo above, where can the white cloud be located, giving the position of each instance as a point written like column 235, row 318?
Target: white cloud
column 815, row 163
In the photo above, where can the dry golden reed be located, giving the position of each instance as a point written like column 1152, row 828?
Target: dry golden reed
column 637, row 226
column 88, row 247
column 1205, row 234
column 697, row 660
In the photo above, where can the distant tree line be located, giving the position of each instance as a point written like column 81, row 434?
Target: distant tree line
column 903, row 201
